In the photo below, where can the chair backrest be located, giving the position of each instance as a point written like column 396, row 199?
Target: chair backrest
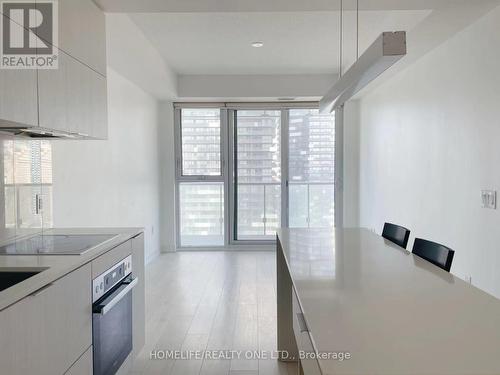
column 435, row 253
column 397, row 234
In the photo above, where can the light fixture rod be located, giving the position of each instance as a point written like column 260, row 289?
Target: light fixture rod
column 341, row 42
column 357, row 30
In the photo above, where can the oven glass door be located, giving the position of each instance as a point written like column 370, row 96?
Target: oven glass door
column 112, row 328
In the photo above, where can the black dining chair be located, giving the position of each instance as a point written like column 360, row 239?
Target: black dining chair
column 397, row 234
column 435, row 253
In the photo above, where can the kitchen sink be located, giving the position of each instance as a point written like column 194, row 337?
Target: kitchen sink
column 11, row 278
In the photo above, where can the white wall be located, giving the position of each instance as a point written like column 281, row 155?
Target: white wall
column 167, row 175
column 113, row 183
column 429, row 143
column 253, row 87
column 132, row 55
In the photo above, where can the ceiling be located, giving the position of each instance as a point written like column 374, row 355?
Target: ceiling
column 150, row 6
column 202, row 39
column 294, row 42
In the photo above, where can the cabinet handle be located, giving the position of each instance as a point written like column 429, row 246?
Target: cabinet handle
column 37, row 204
column 36, row 293
column 302, row 322
column 106, row 306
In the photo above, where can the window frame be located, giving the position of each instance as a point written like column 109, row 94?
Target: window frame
column 284, row 177
column 180, row 178
column 333, row 183
column 178, row 149
column 227, row 129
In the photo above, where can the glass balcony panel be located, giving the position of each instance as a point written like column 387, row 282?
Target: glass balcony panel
column 201, row 214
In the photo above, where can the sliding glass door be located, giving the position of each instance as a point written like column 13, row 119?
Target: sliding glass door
column 257, row 174
column 280, row 172
column 311, row 169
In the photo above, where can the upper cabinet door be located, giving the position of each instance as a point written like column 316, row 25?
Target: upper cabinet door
column 73, row 99
column 18, row 101
column 54, row 86
column 18, row 95
column 82, row 33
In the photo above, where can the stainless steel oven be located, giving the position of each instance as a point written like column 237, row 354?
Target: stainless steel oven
column 112, row 317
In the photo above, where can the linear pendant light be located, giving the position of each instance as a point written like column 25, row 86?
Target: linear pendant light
column 389, row 48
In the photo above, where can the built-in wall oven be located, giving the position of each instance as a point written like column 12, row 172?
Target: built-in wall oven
column 112, row 317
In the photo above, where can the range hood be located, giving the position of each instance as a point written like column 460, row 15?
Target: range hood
column 389, row 48
column 42, row 133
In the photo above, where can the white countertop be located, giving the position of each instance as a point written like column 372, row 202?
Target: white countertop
column 56, row 266
column 394, row 312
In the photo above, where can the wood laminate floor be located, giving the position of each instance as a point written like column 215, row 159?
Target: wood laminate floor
column 211, row 301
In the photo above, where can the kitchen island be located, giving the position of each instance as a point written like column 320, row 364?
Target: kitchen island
column 357, row 304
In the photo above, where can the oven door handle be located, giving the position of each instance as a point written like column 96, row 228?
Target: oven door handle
column 104, row 309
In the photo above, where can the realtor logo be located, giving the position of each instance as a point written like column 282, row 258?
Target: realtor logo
column 29, row 33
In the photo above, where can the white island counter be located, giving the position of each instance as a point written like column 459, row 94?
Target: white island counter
column 391, row 311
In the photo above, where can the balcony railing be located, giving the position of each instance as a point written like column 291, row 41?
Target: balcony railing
column 259, row 207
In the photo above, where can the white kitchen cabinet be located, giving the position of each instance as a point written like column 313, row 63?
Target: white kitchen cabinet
column 48, row 331
column 73, row 99
column 18, row 95
column 82, row 33
column 83, row 366
column 18, row 101
column 56, row 90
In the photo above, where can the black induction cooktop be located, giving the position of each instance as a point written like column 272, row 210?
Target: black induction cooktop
column 55, row 244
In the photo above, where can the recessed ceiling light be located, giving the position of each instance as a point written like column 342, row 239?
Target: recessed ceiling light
column 257, row 44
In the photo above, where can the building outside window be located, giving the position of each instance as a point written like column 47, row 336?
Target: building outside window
column 280, row 172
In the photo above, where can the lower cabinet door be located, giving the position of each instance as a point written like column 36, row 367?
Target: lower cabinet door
column 83, row 366
column 308, row 362
column 46, row 332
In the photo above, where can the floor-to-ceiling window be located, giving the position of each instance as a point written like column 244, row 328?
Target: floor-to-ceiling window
column 280, row 172
column 200, row 178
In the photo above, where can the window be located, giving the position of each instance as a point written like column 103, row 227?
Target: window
column 28, row 176
column 200, row 179
column 281, row 172
column 201, row 142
